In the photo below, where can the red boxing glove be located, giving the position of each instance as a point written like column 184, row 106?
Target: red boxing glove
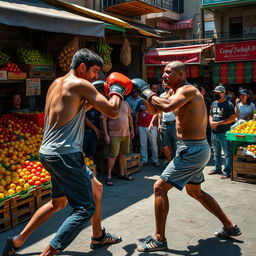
column 117, row 84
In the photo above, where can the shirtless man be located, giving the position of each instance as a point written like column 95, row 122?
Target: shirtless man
column 67, row 100
column 192, row 155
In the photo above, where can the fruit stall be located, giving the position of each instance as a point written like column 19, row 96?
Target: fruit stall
column 243, row 138
column 24, row 183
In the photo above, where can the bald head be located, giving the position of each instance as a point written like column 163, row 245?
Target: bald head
column 178, row 66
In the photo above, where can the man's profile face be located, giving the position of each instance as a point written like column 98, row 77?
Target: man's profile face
column 170, row 76
column 90, row 74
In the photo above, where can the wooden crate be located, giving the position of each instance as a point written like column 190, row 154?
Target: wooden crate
column 22, row 207
column 244, row 168
column 43, row 195
column 132, row 164
column 42, row 74
column 5, row 215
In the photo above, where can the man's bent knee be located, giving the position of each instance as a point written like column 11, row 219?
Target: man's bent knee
column 161, row 187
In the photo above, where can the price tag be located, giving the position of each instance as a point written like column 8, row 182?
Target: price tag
column 33, row 86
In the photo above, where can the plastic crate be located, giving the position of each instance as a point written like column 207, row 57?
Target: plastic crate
column 241, row 137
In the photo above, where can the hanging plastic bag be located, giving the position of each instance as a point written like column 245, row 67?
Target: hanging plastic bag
column 126, row 53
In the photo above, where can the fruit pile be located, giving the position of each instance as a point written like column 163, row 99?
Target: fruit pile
column 65, row 58
column 11, row 67
column 4, row 58
column 247, row 127
column 6, row 135
column 251, row 148
column 19, row 126
column 22, row 177
column 32, row 56
column 88, row 162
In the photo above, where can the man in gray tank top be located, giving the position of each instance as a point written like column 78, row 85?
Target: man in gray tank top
column 67, row 100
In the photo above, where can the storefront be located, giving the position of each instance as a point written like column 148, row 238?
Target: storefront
column 194, row 56
column 235, row 63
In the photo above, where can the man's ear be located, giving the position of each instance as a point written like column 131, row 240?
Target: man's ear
column 83, row 67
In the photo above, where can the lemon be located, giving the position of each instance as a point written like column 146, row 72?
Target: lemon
column 1, row 195
column 11, row 191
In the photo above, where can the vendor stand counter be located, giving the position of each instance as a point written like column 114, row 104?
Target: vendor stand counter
column 244, row 167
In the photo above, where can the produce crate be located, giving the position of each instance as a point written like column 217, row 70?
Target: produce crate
column 17, row 75
column 43, row 195
column 5, row 215
column 241, row 137
column 22, row 207
column 132, row 164
column 37, row 67
column 244, row 168
column 42, row 74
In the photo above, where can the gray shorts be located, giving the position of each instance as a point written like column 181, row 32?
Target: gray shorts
column 188, row 164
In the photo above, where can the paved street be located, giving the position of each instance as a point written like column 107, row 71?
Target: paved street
column 128, row 211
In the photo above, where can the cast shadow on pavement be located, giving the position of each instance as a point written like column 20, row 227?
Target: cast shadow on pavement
column 205, row 247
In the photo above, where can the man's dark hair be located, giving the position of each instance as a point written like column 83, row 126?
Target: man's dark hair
column 86, row 56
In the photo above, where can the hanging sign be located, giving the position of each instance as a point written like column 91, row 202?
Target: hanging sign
column 33, row 86
column 241, row 51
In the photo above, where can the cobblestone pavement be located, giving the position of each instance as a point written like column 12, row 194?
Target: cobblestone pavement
column 128, row 210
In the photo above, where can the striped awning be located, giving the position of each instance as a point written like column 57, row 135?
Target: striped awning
column 182, row 24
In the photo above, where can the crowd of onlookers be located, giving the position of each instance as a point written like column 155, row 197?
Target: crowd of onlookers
column 154, row 136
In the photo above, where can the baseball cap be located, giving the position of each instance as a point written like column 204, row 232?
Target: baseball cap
column 244, row 92
column 220, row 88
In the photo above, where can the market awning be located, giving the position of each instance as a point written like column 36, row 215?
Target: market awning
column 186, row 54
column 36, row 14
column 100, row 16
column 182, row 24
column 133, row 8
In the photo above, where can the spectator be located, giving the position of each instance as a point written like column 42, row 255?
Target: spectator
column 222, row 116
column 118, row 136
column 15, row 104
column 91, row 133
column 155, row 88
column 132, row 100
column 231, row 96
column 244, row 106
column 167, row 130
column 207, row 101
column 147, row 131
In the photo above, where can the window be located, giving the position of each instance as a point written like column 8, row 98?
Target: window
column 178, row 6
column 236, row 27
column 209, row 29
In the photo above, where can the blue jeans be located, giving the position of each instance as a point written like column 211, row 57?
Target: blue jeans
column 168, row 136
column 90, row 144
column 219, row 142
column 70, row 178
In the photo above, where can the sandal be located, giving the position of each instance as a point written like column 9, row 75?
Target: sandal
column 151, row 244
column 105, row 239
column 125, row 177
column 225, row 233
column 109, row 182
column 9, row 248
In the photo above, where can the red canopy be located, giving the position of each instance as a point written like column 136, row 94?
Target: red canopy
column 182, row 24
column 187, row 54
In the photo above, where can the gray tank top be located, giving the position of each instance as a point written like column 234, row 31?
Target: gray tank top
column 66, row 139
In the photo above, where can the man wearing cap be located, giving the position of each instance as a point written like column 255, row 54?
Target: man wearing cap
column 222, row 116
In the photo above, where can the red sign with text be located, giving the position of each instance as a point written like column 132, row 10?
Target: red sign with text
column 241, row 51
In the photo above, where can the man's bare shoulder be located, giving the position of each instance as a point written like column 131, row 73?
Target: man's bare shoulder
column 187, row 89
column 73, row 82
